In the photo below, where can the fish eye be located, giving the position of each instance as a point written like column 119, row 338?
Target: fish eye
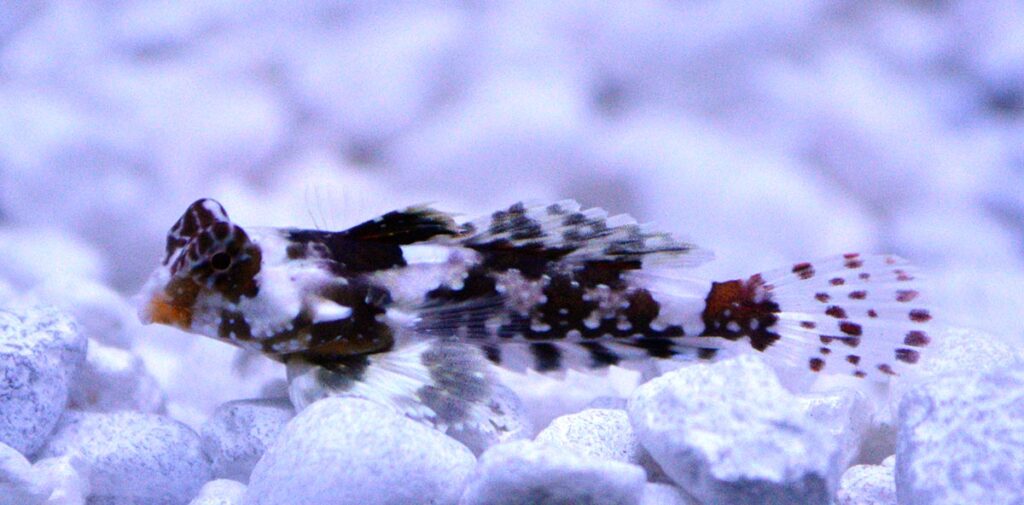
column 220, row 261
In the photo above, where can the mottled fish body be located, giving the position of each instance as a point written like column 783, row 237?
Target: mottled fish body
column 404, row 308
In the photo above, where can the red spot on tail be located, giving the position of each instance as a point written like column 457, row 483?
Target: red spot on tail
column 850, row 328
column 816, row 364
column 905, row 295
column 920, row 316
column 917, row 338
column 836, row 312
column 804, row 270
column 908, row 355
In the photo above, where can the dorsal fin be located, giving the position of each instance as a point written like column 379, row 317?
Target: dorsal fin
column 402, row 227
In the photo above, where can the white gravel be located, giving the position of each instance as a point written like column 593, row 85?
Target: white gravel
column 40, row 352
column 353, row 451
column 770, row 132
column 728, row 432
column 132, row 456
column 525, row 472
column 961, row 440
column 239, row 433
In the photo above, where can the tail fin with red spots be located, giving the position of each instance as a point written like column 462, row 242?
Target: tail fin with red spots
column 852, row 314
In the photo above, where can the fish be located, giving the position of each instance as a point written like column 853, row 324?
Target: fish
column 415, row 308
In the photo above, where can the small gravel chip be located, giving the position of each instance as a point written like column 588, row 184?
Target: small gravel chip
column 220, row 492
column 239, row 432
column 529, row 473
column 20, row 484
column 868, row 485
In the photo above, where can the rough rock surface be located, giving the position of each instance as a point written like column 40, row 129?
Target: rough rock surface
column 132, row 456
column 961, row 440
column 220, row 492
column 239, row 433
column 529, row 473
column 845, row 414
column 20, row 484
column 729, row 433
column 40, row 352
column 600, row 433
column 868, row 485
column 354, row 451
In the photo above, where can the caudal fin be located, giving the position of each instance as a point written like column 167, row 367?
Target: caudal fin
column 851, row 314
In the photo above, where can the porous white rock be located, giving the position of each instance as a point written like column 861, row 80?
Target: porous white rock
column 961, row 440
column 220, row 492
column 598, row 433
column 354, row 451
column 601, row 433
column 40, row 351
column 68, row 476
column 729, row 433
column 239, row 433
column 955, row 351
column 115, row 379
column 508, row 417
column 868, row 485
column 524, row 472
column 133, row 457
column 664, row 494
column 845, row 414
column 20, row 484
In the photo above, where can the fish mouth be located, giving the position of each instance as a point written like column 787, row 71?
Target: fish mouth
column 161, row 310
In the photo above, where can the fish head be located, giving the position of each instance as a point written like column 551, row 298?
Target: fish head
column 209, row 264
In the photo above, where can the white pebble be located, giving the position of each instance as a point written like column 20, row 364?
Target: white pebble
column 868, row 485
column 68, row 476
column 220, row 492
column 961, row 440
column 133, row 456
column 729, row 433
column 40, row 351
column 354, row 451
column 525, row 473
column 239, row 433
column 19, row 483
column 601, row 433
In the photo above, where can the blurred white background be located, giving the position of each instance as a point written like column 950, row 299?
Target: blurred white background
column 770, row 131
